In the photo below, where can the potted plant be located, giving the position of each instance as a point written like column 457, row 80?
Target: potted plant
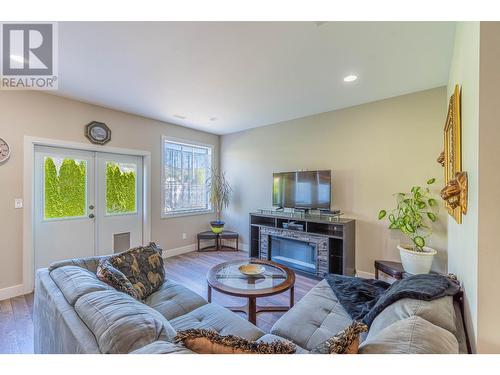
column 414, row 216
column 220, row 192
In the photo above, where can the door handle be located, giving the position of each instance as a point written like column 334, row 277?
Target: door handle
column 91, row 216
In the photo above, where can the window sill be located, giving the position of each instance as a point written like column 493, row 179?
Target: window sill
column 188, row 213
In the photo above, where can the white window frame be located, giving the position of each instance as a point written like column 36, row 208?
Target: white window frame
column 186, row 142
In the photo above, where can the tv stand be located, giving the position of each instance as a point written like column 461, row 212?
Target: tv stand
column 316, row 245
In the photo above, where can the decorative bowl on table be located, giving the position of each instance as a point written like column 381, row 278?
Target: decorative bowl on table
column 251, row 269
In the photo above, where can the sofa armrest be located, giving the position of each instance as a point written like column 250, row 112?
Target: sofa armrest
column 89, row 263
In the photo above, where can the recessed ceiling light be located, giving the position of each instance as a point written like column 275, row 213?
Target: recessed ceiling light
column 180, row 117
column 350, row 78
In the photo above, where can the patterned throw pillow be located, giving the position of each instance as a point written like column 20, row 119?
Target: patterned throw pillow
column 344, row 342
column 142, row 267
column 115, row 278
column 206, row 341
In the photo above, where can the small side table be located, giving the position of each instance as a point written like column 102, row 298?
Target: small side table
column 393, row 269
column 228, row 235
column 218, row 238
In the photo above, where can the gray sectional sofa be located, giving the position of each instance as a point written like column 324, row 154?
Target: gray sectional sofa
column 74, row 312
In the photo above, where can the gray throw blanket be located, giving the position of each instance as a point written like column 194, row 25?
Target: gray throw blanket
column 364, row 299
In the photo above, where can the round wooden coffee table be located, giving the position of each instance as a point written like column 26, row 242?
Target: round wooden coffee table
column 226, row 278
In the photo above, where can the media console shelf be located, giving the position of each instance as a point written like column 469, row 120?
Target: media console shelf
column 318, row 245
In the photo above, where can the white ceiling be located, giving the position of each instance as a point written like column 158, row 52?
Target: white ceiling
column 247, row 74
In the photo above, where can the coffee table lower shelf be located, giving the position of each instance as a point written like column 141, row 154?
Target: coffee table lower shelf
column 251, row 309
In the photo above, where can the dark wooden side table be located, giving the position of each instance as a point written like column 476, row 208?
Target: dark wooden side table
column 218, row 238
column 208, row 235
column 393, row 269
column 228, row 235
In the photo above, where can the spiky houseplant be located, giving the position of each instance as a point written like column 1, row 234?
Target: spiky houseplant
column 414, row 214
column 219, row 196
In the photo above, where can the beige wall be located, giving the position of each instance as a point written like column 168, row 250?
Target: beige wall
column 462, row 239
column 373, row 151
column 473, row 246
column 48, row 116
column 488, row 331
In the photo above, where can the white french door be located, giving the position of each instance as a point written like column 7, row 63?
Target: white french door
column 86, row 203
column 119, row 202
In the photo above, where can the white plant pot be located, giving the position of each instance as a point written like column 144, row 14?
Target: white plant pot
column 417, row 262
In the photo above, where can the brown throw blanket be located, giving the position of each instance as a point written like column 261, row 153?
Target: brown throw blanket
column 364, row 299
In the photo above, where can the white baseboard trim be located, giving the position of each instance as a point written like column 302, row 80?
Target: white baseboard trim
column 11, row 292
column 179, row 250
column 365, row 275
column 193, row 247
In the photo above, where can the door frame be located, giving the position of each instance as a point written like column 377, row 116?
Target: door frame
column 29, row 197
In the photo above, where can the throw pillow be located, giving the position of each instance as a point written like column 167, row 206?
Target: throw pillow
column 344, row 342
column 115, row 278
column 142, row 267
column 205, row 341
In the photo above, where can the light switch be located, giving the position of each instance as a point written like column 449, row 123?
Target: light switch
column 184, row 236
column 18, row 203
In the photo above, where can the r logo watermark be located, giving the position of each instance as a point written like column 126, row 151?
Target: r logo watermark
column 28, row 56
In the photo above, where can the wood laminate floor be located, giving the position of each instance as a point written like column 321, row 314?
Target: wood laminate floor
column 16, row 324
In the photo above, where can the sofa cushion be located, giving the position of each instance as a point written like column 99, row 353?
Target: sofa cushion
column 115, row 278
column 440, row 312
column 412, row 335
column 173, row 300
column 120, row 323
column 75, row 281
column 314, row 319
column 218, row 318
column 143, row 267
column 162, row 347
column 89, row 263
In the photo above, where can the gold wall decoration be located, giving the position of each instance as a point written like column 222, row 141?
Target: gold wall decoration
column 453, row 155
column 440, row 159
column 455, row 192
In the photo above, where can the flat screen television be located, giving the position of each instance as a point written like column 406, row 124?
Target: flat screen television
column 305, row 189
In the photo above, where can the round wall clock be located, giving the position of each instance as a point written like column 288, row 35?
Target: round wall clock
column 4, row 151
column 98, row 133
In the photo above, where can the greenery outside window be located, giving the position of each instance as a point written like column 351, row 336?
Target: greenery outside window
column 121, row 187
column 65, row 194
column 185, row 170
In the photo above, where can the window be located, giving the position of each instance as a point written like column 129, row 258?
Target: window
column 65, row 188
column 186, row 167
column 121, row 188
